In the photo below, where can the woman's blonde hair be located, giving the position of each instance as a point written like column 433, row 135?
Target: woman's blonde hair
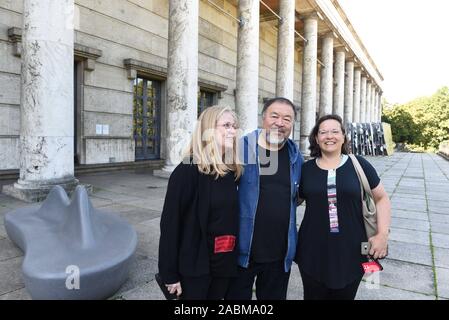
column 203, row 148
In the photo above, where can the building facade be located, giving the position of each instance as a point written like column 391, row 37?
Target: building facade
column 142, row 70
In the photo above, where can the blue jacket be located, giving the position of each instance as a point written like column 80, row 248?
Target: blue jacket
column 249, row 197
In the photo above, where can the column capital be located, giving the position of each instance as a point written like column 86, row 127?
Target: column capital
column 310, row 15
column 350, row 60
column 329, row 34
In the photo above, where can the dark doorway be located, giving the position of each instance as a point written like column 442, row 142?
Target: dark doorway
column 147, row 119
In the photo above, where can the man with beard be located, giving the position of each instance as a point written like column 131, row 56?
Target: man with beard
column 267, row 200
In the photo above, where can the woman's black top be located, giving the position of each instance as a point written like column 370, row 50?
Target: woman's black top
column 223, row 226
column 191, row 218
column 333, row 259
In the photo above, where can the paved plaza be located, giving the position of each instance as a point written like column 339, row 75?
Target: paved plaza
column 417, row 267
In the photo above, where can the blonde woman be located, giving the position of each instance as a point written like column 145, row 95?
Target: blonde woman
column 199, row 222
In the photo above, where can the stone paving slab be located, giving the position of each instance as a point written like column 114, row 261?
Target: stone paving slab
column 403, row 205
column 148, row 291
column 443, row 282
column 441, row 209
column 441, row 257
column 137, row 215
column 436, row 189
column 438, row 217
column 20, row 294
column 407, row 276
column 114, row 197
column 148, row 237
column 366, row 292
column 3, row 211
column 100, row 202
column 142, row 271
column 154, row 204
column 413, row 184
column 438, row 227
column 440, row 240
column 409, row 190
column 3, row 233
column 407, row 196
column 410, row 252
column 410, row 236
column 13, row 203
column 11, row 275
column 410, row 224
column 295, row 288
column 8, row 250
column 410, row 215
column 419, row 197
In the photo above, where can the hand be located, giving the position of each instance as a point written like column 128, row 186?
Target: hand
column 175, row 288
column 379, row 245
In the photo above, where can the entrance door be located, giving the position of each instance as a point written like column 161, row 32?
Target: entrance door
column 77, row 78
column 147, row 110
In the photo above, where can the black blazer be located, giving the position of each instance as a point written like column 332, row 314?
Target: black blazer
column 183, row 247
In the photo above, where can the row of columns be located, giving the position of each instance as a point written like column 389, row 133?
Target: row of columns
column 46, row 136
column 344, row 90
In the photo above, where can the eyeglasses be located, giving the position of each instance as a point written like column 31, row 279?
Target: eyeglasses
column 334, row 132
column 228, row 125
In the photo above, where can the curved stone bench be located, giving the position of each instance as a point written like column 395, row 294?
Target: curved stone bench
column 62, row 237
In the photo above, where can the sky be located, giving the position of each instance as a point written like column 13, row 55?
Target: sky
column 409, row 42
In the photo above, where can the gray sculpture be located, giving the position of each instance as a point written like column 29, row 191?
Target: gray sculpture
column 72, row 250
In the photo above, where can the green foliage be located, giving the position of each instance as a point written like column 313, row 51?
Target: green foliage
column 422, row 123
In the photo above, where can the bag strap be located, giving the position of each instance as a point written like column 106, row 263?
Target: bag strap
column 361, row 174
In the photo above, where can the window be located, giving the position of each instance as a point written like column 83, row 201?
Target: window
column 206, row 99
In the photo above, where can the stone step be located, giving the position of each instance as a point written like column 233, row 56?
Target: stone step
column 92, row 168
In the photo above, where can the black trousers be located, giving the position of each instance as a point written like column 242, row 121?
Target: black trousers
column 204, row 288
column 271, row 282
column 314, row 290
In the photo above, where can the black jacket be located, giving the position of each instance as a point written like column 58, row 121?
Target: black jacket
column 183, row 247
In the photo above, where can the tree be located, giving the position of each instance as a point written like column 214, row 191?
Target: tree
column 423, row 122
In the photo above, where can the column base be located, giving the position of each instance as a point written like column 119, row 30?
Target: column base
column 165, row 172
column 38, row 192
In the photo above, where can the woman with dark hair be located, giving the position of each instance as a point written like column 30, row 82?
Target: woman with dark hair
column 329, row 242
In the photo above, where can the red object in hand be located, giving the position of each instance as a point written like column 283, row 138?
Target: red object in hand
column 224, row 244
column 372, row 266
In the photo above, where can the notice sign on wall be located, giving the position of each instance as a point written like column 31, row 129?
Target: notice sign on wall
column 102, row 129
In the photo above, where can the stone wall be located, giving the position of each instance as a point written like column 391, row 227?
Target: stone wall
column 10, row 16
column 133, row 29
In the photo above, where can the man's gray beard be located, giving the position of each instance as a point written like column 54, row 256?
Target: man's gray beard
column 274, row 140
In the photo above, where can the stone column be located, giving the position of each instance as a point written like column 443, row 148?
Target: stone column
column 247, row 88
column 326, row 85
column 368, row 101
column 349, row 91
column 371, row 111
column 356, row 97
column 376, row 106
column 286, row 50
column 363, row 100
column 339, row 83
column 374, row 117
column 309, row 78
column 46, row 111
column 373, row 102
column 182, row 80
column 379, row 107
